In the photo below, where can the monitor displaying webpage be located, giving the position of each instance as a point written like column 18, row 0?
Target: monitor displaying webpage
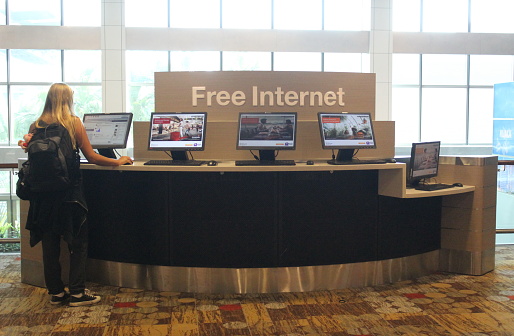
column 108, row 130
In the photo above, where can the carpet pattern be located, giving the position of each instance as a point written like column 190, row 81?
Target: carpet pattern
column 438, row 304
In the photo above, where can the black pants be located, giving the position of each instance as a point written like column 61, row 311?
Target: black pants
column 52, row 266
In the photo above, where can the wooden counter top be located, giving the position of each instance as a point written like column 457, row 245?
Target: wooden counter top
column 392, row 176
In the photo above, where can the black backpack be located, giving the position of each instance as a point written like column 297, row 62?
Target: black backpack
column 52, row 163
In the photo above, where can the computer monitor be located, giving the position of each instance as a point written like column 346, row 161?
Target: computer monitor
column 424, row 161
column 107, row 131
column 346, row 132
column 177, row 132
column 267, row 132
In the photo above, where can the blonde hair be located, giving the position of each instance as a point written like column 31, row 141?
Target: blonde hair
column 59, row 109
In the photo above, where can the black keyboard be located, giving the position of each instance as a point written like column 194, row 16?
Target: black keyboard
column 432, row 187
column 265, row 163
column 174, row 163
column 355, row 162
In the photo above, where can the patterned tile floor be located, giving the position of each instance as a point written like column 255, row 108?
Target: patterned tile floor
column 439, row 304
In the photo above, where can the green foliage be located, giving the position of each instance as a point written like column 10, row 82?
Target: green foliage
column 142, row 101
column 87, row 100
column 7, row 230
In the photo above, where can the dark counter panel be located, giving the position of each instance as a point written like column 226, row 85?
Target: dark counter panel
column 128, row 216
column 408, row 226
column 224, row 220
column 328, row 218
column 253, row 219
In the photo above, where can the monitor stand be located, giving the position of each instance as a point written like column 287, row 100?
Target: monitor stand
column 343, row 155
column 107, row 152
column 179, row 155
column 267, row 155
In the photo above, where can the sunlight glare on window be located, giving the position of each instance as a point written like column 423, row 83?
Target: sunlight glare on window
column 445, row 16
column 406, row 69
column 481, row 104
column 4, row 118
column 297, row 61
column 297, row 14
column 87, row 99
column 406, row 15
column 142, row 64
column 443, row 115
column 350, row 62
column 347, row 15
column 27, row 103
column 34, row 65
column 82, row 13
column 444, row 69
column 195, row 13
column 83, row 66
column 35, row 12
column 246, row 60
column 2, row 14
column 195, row 61
column 146, row 13
column 3, row 65
column 491, row 69
column 406, row 116
column 246, row 14
column 492, row 16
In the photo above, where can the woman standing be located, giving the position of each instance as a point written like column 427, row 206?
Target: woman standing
column 62, row 214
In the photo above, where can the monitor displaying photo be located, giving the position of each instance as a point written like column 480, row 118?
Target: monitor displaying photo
column 346, row 130
column 177, row 131
column 267, row 130
column 424, row 160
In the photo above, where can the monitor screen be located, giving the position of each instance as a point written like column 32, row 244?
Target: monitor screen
column 107, row 131
column 424, row 161
column 177, row 131
column 346, row 132
column 267, row 132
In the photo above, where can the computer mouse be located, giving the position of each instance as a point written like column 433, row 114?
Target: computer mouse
column 212, row 163
column 390, row 160
column 128, row 163
column 457, row 184
column 310, row 162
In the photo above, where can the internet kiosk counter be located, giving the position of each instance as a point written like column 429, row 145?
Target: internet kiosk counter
column 248, row 229
column 299, row 228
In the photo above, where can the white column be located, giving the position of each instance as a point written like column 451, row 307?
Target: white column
column 380, row 49
column 113, row 56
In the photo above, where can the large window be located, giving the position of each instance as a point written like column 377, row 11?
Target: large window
column 350, row 15
column 30, row 74
column 246, row 14
column 446, row 97
column 52, row 12
column 485, row 16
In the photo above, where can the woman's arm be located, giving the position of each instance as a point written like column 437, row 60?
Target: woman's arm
column 91, row 156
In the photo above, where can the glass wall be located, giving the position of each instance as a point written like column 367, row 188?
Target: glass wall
column 437, row 93
column 448, row 97
column 9, row 211
column 32, row 71
column 297, row 15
